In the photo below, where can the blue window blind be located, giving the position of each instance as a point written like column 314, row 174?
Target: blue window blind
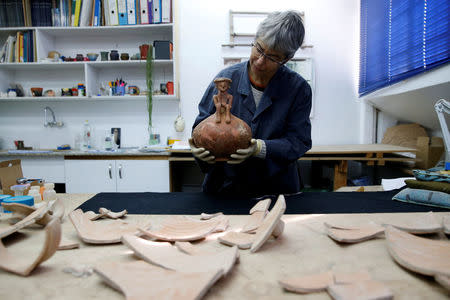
column 401, row 38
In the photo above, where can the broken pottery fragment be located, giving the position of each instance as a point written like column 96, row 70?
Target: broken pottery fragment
column 421, row 255
column 308, row 284
column 39, row 215
column 99, row 233
column 353, row 235
column 165, row 255
column 66, row 244
column 419, row 224
column 140, row 280
column 23, row 265
column 241, row 239
column 205, row 216
column 269, row 224
column 363, row 289
column 182, row 228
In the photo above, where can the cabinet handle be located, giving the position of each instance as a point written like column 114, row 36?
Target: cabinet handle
column 110, row 171
column 120, row 171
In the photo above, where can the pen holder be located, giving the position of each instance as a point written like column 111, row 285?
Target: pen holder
column 121, row 90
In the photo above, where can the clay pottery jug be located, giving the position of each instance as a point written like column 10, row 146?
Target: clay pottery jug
column 222, row 133
column 222, row 139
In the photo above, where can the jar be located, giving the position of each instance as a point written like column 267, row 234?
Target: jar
column 124, row 56
column 114, row 55
column 79, row 57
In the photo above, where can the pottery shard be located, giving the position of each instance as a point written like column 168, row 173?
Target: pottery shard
column 140, row 280
column 222, row 139
column 364, row 289
column 421, row 255
column 308, row 284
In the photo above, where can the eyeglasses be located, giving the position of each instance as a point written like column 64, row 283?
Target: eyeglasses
column 272, row 58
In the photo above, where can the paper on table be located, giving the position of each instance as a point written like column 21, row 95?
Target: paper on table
column 180, row 145
column 392, row 184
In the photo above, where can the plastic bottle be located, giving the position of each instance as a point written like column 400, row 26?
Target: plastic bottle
column 49, row 192
column 86, row 140
column 108, row 141
column 35, row 193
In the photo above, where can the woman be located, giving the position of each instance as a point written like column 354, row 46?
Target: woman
column 275, row 102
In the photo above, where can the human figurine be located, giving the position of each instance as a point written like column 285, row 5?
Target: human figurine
column 223, row 100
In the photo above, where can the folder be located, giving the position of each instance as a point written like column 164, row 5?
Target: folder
column 86, row 12
column 156, row 11
column 96, row 19
column 76, row 21
column 144, row 11
column 131, row 9
column 150, row 11
column 122, row 11
column 166, row 11
column 113, row 15
column 105, row 12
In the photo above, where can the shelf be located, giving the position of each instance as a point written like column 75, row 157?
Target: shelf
column 92, row 99
column 128, row 63
column 63, row 31
column 79, row 64
column 43, row 66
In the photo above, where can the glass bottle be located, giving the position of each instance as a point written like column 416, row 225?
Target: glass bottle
column 86, row 141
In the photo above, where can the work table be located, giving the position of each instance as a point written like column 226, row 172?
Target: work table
column 303, row 249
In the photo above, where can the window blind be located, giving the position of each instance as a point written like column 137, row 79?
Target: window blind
column 401, row 38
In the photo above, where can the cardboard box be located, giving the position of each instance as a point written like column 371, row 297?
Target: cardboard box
column 10, row 170
column 429, row 152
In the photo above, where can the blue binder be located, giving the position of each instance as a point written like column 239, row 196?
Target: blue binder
column 122, row 11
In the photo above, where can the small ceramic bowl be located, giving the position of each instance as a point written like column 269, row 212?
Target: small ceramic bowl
column 92, row 56
column 36, row 91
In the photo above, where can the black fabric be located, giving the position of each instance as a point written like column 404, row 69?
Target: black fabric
column 303, row 203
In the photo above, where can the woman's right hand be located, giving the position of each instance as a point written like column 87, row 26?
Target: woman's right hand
column 201, row 153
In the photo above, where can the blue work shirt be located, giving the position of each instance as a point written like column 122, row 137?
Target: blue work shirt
column 281, row 120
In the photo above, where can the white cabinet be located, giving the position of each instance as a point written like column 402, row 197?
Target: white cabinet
column 51, row 169
column 94, row 176
column 70, row 41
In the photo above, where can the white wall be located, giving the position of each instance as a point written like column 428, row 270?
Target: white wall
column 331, row 26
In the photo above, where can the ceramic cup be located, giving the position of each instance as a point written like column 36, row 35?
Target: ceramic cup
column 36, row 91
column 144, row 50
column 92, row 56
column 104, row 55
column 114, row 55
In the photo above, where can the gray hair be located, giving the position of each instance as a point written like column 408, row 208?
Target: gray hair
column 282, row 32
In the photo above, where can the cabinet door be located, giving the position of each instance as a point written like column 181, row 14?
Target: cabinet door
column 90, row 176
column 51, row 169
column 142, row 175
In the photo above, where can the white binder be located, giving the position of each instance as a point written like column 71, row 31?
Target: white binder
column 156, row 11
column 131, row 9
column 166, row 11
column 113, row 15
column 144, row 12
